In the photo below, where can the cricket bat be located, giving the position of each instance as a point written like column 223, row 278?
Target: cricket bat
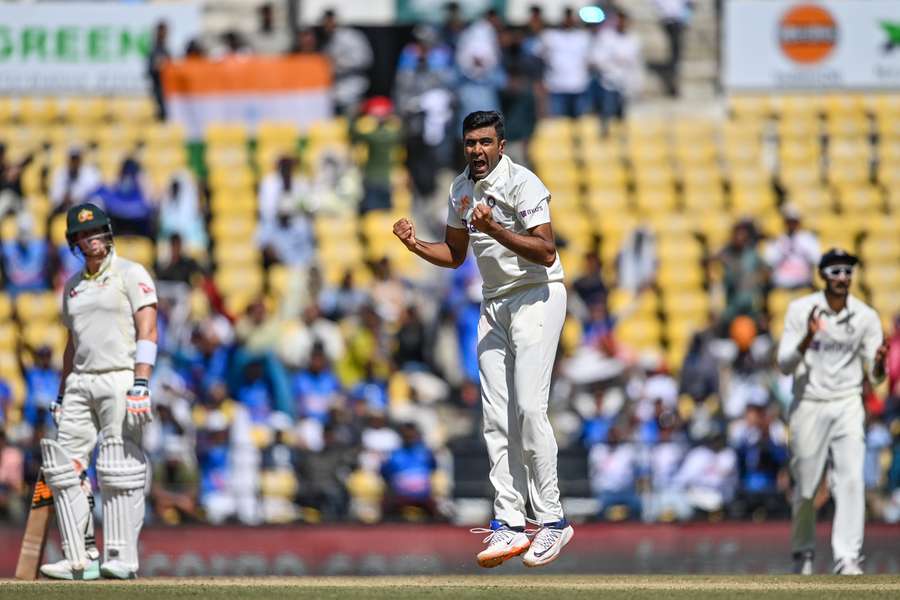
column 35, row 537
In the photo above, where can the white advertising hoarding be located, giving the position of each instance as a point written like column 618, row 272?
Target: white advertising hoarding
column 85, row 47
column 842, row 44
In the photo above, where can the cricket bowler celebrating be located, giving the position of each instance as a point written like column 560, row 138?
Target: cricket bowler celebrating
column 831, row 342
column 110, row 312
column 504, row 210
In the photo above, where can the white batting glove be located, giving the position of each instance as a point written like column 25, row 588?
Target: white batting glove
column 56, row 410
column 138, row 410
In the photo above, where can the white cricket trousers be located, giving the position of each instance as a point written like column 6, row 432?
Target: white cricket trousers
column 94, row 403
column 517, row 338
column 819, row 430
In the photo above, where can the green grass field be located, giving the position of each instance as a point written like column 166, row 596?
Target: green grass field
column 535, row 587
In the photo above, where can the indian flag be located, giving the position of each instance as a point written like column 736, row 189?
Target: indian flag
column 247, row 90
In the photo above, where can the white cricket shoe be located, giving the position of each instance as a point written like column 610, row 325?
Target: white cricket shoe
column 548, row 542
column 116, row 569
column 848, row 566
column 803, row 563
column 63, row 570
column 503, row 544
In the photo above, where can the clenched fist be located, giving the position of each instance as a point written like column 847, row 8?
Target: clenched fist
column 483, row 219
column 406, row 232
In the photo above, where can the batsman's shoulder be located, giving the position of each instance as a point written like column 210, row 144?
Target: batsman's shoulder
column 127, row 267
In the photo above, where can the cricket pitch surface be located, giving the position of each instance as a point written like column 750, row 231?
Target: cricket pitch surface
column 495, row 587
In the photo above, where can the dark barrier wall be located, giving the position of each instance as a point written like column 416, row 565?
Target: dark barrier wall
column 434, row 549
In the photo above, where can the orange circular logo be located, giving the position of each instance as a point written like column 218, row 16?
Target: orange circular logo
column 807, row 33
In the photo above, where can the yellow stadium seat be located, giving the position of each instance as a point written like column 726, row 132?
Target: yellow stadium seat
column 9, row 335
column 233, row 203
column 226, row 134
column 274, row 132
column 800, row 106
column 656, row 200
column 38, row 109
column 809, row 199
column 685, row 302
column 886, row 301
column 752, row 200
column 654, row 175
column 132, row 109
column 237, row 254
column 231, row 179
column 647, row 151
column 848, row 126
column 138, row 249
column 749, row 108
column 639, row 333
column 607, row 202
column 680, row 277
column 38, row 306
column 700, row 152
column 85, row 110
column 226, row 157
column 612, row 173
column 602, row 153
column 329, row 132
column 800, row 175
column 882, row 276
column 554, row 128
column 624, row 301
column 843, row 104
column 859, row 198
column 6, row 307
column 698, row 199
column 52, row 334
column 881, row 248
column 244, row 280
column 804, row 150
column 164, row 134
column 845, row 172
column 232, row 227
column 779, row 299
column 679, row 249
column 799, row 128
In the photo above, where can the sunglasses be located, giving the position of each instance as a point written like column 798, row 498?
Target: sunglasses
column 837, row 271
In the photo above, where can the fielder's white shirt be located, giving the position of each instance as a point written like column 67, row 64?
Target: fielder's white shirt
column 99, row 313
column 840, row 355
column 518, row 201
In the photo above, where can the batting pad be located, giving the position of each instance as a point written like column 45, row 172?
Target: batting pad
column 122, row 471
column 72, row 507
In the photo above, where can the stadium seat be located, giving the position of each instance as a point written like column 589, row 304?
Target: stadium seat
column 334, row 131
column 245, row 279
column 39, row 333
column 749, row 108
column 6, row 307
column 656, row 200
column 226, row 134
column 233, row 203
column 232, row 227
column 624, row 301
column 639, row 333
column 9, row 335
column 862, row 198
column 235, row 254
column 38, row 109
column 163, row 135
column 138, row 249
column 37, row 306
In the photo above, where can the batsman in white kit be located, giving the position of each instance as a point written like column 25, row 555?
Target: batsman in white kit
column 832, row 341
column 110, row 311
column 504, row 210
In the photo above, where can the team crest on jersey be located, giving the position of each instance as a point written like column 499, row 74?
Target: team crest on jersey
column 145, row 288
column 85, row 214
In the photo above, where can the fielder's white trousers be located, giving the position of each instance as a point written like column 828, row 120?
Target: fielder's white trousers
column 819, row 430
column 517, row 338
column 94, row 403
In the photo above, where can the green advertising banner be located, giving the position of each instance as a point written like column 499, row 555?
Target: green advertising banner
column 432, row 11
column 85, row 47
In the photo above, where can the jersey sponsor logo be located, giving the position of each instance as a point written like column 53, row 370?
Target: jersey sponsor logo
column 531, row 211
column 146, row 289
column 831, row 346
column 85, row 214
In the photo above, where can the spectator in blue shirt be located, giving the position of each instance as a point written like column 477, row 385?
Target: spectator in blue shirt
column 407, row 473
column 127, row 203
column 42, row 384
column 25, row 259
column 316, row 388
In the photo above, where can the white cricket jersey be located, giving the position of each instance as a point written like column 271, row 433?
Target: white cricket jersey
column 99, row 313
column 518, row 201
column 840, row 355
